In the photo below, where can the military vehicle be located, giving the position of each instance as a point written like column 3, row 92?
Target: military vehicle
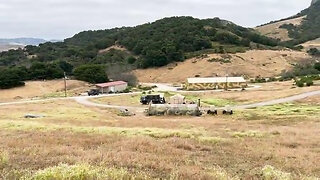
column 93, row 92
column 152, row 98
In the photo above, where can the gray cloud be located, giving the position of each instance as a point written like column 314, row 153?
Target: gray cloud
column 58, row 19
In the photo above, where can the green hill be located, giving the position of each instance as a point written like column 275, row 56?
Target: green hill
column 309, row 28
column 148, row 45
column 314, row 1
column 157, row 43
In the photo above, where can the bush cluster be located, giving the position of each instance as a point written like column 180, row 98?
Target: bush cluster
column 306, row 81
column 92, row 73
column 14, row 76
column 302, row 70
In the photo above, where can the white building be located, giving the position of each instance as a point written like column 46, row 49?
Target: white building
column 215, row 83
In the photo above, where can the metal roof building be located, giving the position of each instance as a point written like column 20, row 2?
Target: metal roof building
column 216, row 80
column 116, row 86
column 215, row 83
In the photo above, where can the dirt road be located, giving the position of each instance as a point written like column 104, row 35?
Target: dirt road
column 278, row 101
column 85, row 100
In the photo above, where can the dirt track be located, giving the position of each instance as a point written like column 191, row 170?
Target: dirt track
column 85, row 100
column 278, row 101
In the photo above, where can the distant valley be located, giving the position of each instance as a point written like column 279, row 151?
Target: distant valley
column 6, row 47
column 15, row 43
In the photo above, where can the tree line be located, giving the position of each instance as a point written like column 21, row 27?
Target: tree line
column 15, row 76
column 157, row 44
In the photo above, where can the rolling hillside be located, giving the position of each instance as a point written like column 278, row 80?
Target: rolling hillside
column 254, row 63
column 274, row 30
column 298, row 29
column 199, row 47
column 157, row 44
column 312, row 44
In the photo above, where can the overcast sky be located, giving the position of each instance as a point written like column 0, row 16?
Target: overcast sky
column 59, row 19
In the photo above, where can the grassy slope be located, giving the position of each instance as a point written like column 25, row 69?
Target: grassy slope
column 298, row 29
column 73, row 142
column 273, row 30
column 265, row 63
column 43, row 89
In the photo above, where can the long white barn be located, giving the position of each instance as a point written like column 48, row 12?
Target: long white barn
column 215, row 83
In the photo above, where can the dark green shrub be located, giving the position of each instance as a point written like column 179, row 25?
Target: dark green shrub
column 91, row 73
column 9, row 78
column 300, row 83
column 309, row 83
column 40, row 71
column 317, row 66
column 314, row 52
column 131, row 60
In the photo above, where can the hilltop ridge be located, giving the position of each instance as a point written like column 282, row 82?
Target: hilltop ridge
column 154, row 44
column 297, row 29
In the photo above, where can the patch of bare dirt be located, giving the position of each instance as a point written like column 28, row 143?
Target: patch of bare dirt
column 34, row 89
column 116, row 47
column 312, row 44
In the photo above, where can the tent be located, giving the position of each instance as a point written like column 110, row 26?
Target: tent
column 177, row 99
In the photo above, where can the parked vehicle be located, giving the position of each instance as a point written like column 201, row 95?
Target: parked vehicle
column 227, row 111
column 154, row 99
column 212, row 111
column 93, row 92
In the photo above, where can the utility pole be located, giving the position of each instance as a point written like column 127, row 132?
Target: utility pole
column 226, row 88
column 65, row 84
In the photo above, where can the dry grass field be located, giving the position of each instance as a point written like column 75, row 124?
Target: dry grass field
column 72, row 141
column 264, row 63
column 274, row 31
column 43, row 89
column 125, row 100
column 312, row 44
column 268, row 91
